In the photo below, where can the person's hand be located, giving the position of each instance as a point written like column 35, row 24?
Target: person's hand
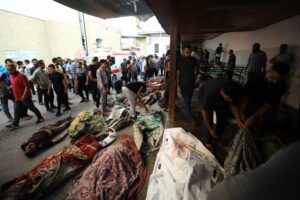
column 103, row 91
column 48, row 92
column 23, row 98
column 214, row 134
column 250, row 121
column 240, row 125
column 66, row 91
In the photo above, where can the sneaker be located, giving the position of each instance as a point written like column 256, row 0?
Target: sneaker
column 82, row 101
column 41, row 104
column 10, row 120
column 68, row 108
column 39, row 120
column 50, row 110
column 12, row 126
column 58, row 114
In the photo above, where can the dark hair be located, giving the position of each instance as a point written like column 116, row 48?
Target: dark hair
column 220, row 44
column 34, row 60
column 95, row 59
column 26, row 61
column 281, row 68
column 40, row 62
column 8, row 60
column 187, row 46
column 54, row 60
column 19, row 62
column 168, row 53
column 51, row 66
column 234, row 90
column 284, row 45
column 59, row 58
column 256, row 44
column 102, row 61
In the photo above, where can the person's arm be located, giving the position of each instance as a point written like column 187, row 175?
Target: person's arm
column 259, row 113
column 49, row 86
column 205, row 117
column 272, row 61
column 177, row 78
column 236, row 113
column 90, row 75
column 247, row 66
column 265, row 64
column 65, row 84
column 61, row 138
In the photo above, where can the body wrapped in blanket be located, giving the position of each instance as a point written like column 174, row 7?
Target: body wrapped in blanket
column 52, row 171
column 116, row 173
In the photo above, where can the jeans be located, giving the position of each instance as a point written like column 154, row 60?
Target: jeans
column 131, row 98
column 222, row 117
column 187, row 94
column 4, row 103
column 18, row 110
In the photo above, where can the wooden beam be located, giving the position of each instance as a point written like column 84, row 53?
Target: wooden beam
column 173, row 50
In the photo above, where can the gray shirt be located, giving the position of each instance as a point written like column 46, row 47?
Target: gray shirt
column 257, row 61
column 286, row 58
column 41, row 77
column 102, row 80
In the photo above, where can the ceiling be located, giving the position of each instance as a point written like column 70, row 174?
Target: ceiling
column 197, row 20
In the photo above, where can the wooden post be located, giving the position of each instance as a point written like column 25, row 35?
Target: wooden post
column 173, row 49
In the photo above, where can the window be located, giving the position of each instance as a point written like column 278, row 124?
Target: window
column 99, row 43
column 156, row 48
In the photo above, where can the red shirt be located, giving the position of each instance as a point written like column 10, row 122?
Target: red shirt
column 18, row 83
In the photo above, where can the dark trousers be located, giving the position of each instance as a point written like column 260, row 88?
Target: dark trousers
column 95, row 93
column 40, row 94
column 81, row 88
column 61, row 98
column 218, row 60
column 162, row 70
column 187, row 94
column 4, row 103
column 28, row 104
column 222, row 117
column 47, row 98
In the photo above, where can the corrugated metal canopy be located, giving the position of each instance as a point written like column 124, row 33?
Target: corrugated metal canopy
column 111, row 8
column 197, row 19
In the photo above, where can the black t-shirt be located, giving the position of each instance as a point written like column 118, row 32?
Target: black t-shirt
column 259, row 92
column 219, row 50
column 93, row 69
column 136, row 86
column 209, row 94
column 57, row 81
column 118, row 85
column 186, row 68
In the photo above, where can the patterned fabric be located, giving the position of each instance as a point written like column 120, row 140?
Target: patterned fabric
column 52, row 171
column 86, row 122
column 148, row 127
column 119, row 118
column 243, row 154
column 117, row 172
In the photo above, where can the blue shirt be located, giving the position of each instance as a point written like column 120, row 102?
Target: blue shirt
column 4, row 70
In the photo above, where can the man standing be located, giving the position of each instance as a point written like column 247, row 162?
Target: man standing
column 124, row 70
column 186, row 66
column 283, row 57
column 257, row 62
column 22, row 94
column 5, row 96
column 206, row 56
column 60, row 88
column 102, row 82
column 40, row 76
column 231, row 64
column 93, row 78
column 218, row 53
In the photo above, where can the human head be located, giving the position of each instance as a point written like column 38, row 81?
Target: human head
column 283, row 48
column 11, row 68
column 8, row 61
column 124, row 60
column 186, row 51
column 256, row 47
column 55, row 61
column 277, row 72
column 20, row 63
column 102, row 63
column 108, row 58
column 220, row 44
column 168, row 54
column 51, row 68
column 34, row 61
column 40, row 64
column 30, row 149
column 230, row 52
column 79, row 64
column 232, row 92
column 26, row 62
column 95, row 60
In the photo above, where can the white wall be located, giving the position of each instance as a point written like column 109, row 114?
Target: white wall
column 163, row 41
column 270, row 38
